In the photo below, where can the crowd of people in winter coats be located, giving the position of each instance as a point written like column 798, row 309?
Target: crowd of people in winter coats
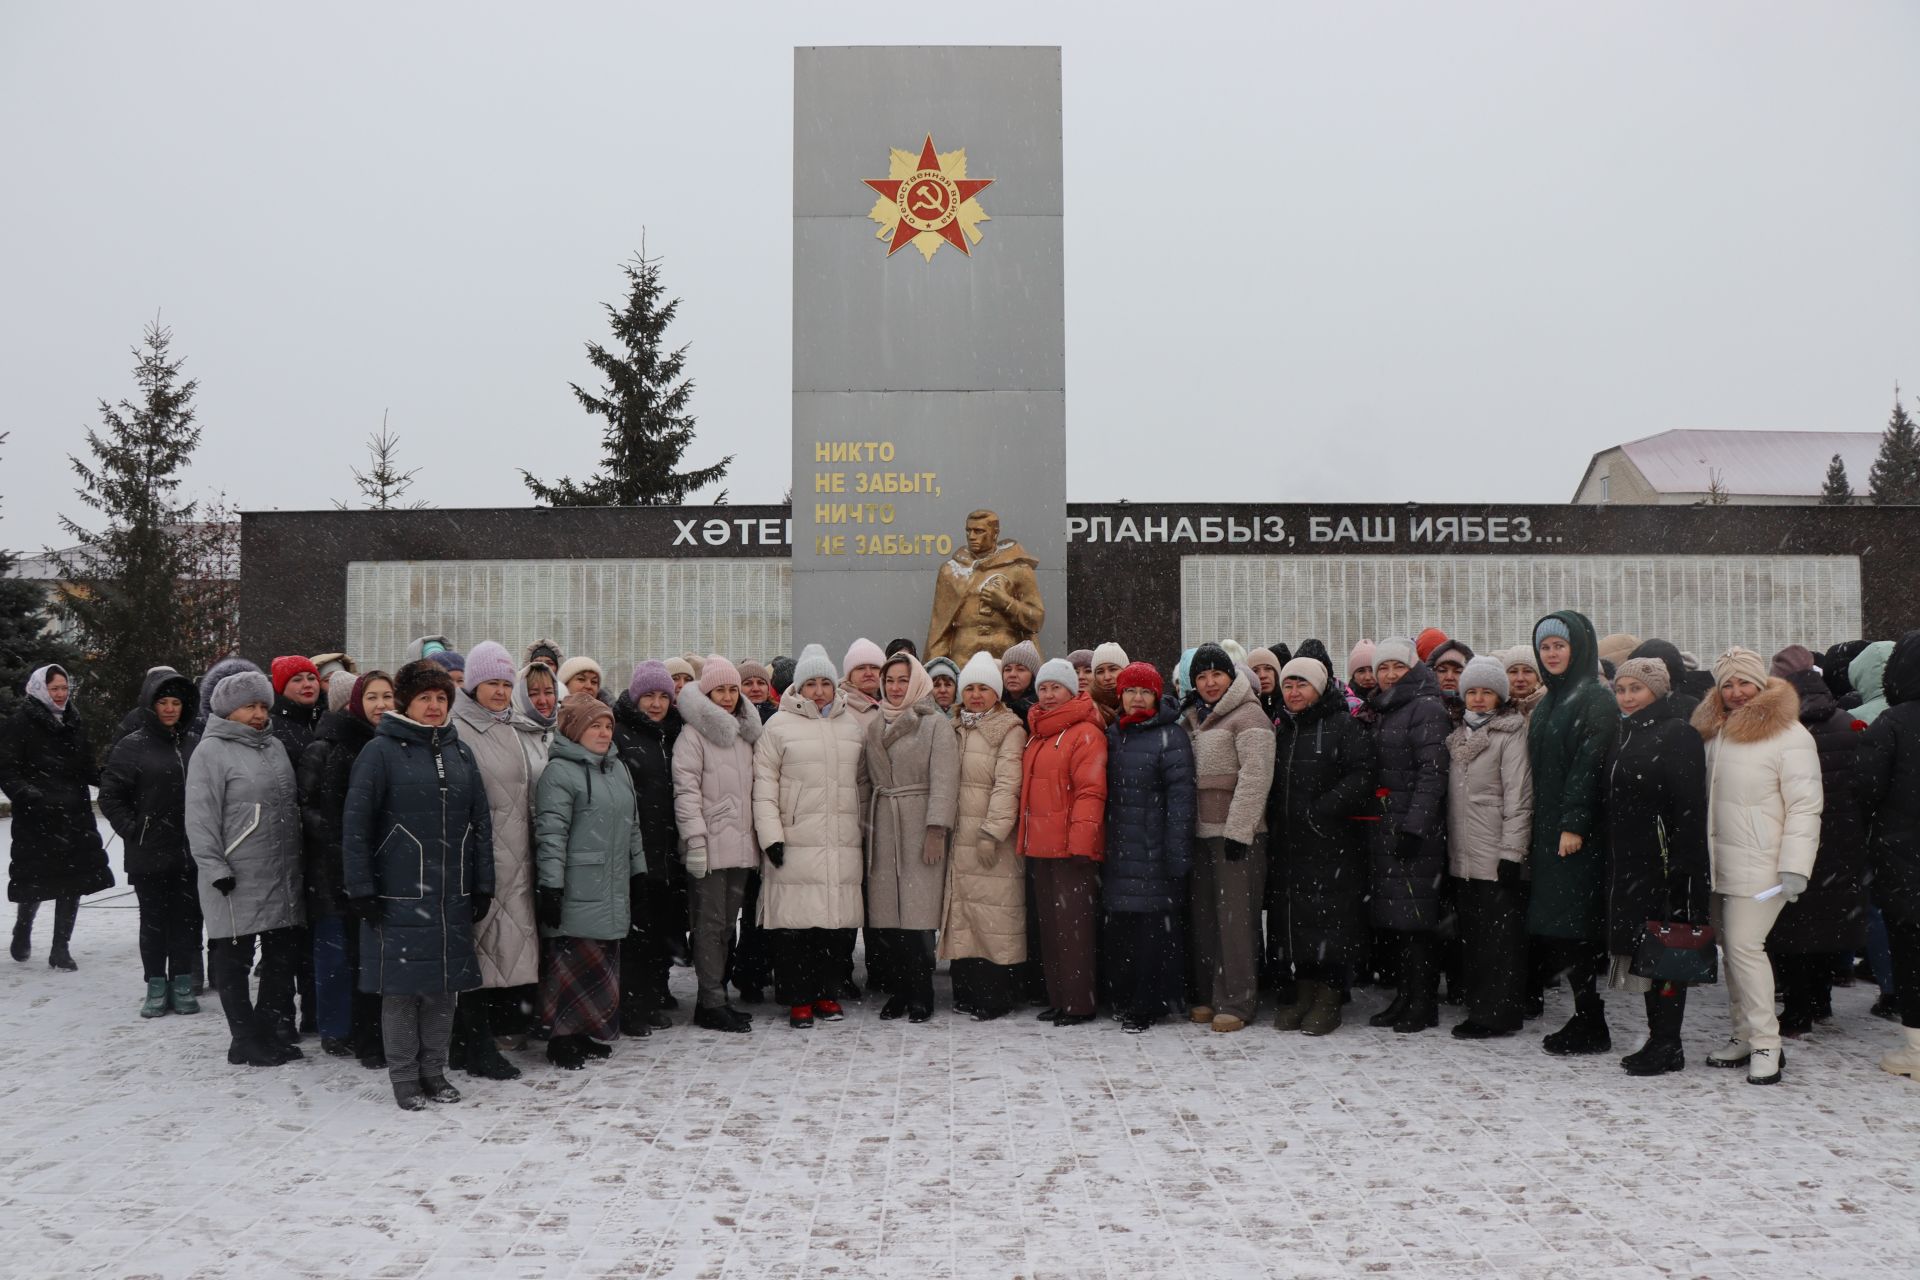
column 431, row 868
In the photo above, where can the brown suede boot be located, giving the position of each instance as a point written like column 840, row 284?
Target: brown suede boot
column 1288, row 1016
column 1323, row 1017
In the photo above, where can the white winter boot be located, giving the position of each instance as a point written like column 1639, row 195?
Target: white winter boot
column 1765, row 1066
column 1734, row 1053
column 1905, row 1061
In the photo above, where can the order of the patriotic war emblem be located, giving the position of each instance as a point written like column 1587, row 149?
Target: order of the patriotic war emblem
column 928, row 200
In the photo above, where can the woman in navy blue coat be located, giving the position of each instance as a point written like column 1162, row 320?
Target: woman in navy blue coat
column 1150, row 815
column 416, row 846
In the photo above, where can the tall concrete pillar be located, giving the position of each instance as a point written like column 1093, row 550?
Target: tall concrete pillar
column 928, row 328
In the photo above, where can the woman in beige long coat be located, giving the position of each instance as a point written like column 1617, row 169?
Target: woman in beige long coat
column 1489, row 830
column 511, row 750
column 984, row 930
column 913, row 760
column 809, row 799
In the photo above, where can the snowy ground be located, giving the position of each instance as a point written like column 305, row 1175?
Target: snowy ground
column 130, row 1148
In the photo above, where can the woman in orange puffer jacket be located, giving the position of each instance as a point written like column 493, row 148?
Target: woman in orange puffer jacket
column 1063, row 804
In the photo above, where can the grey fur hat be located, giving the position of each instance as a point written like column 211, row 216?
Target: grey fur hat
column 237, row 690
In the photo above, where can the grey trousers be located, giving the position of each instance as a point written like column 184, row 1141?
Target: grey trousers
column 414, row 1031
column 714, row 902
column 1226, row 905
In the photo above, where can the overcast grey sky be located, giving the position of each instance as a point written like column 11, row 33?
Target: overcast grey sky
column 1435, row 252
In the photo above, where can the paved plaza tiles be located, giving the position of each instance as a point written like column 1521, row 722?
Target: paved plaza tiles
column 869, row 1148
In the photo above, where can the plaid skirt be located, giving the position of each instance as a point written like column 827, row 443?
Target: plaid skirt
column 580, row 987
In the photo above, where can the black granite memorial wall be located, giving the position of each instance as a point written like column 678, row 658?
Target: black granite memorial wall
column 1125, row 561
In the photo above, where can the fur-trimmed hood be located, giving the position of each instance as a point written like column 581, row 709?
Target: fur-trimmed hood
column 713, row 724
column 1775, row 710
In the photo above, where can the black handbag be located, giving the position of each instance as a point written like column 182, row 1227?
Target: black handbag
column 1675, row 951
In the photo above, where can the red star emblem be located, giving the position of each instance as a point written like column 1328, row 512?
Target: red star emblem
column 928, row 200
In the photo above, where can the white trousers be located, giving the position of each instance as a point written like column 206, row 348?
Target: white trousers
column 1743, row 925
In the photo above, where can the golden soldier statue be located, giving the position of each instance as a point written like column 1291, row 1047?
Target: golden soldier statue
column 985, row 598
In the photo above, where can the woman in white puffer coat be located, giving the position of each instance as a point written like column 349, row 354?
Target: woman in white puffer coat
column 713, row 812
column 1764, row 799
column 809, row 798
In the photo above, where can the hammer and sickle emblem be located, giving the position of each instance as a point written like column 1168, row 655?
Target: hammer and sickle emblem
column 927, row 200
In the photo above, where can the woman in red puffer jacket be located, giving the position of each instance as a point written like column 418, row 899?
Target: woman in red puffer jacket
column 1063, row 805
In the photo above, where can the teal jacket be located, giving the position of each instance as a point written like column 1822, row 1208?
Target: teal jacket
column 586, row 840
column 1867, row 673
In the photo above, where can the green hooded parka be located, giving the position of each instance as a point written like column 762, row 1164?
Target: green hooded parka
column 1568, row 738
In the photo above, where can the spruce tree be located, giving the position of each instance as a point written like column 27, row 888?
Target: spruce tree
column 643, row 405
column 210, row 592
column 1895, row 478
column 384, row 485
column 1838, row 490
column 121, row 593
column 27, row 640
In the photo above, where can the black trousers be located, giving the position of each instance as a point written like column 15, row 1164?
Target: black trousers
column 751, row 962
column 1493, row 953
column 1581, row 960
column 905, row 956
column 642, row 975
column 272, row 1013
column 669, row 904
column 513, row 1007
column 169, row 921
column 1276, row 963
column 806, row 964
column 1903, row 939
column 305, row 982
column 983, row 986
column 1414, row 959
column 1805, row 983
column 844, row 943
column 1144, row 961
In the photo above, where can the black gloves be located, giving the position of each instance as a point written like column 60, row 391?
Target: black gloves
column 480, row 904
column 224, row 884
column 1407, row 846
column 1513, row 875
column 546, row 906
column 367, row 909
column 777, row 853
column 1235, row 851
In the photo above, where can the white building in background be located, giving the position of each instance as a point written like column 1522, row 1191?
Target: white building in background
column 45, row 571
column 1757, row 468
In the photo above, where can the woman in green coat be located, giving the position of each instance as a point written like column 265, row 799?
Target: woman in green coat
column 586, row 851
column 1568, row 738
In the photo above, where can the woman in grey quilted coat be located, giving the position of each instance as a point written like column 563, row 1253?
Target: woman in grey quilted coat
column 243, row 827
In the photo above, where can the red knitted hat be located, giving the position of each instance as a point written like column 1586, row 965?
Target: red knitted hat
column 287, row 667
column 1141, row 675
column 1427, row 641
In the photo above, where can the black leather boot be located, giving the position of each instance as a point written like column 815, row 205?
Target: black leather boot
column 1662, row 1052
column 483, row 1059
column 23, row 929
column 1586, row 1032
column 65, row 912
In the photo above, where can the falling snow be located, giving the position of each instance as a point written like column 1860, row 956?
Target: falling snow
column 131, row 1148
